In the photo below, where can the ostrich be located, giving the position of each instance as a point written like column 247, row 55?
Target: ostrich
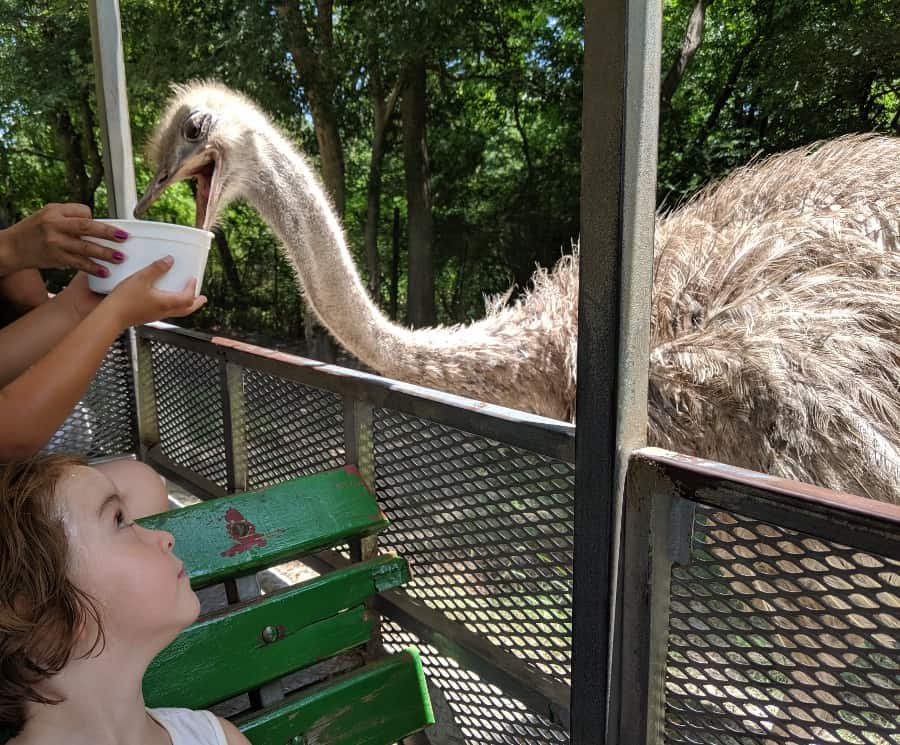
column 775, row 331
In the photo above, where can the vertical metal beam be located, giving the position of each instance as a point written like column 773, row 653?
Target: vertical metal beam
column 112, row 104
column 360, row 452
column 141, row 353
column 236, row 459
column 652, row 540
column 619, row 126
column 359, row 447
column 118, row 172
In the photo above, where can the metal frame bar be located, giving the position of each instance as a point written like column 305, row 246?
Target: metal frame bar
column 112, row 105
column 619, row 134
column 647, row 548
column 834, row 516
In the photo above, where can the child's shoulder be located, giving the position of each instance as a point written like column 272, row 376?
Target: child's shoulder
column 197, row 727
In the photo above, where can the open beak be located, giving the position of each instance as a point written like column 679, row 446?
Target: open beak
column 208, row 189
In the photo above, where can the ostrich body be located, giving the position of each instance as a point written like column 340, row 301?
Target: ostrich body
column 775, row 324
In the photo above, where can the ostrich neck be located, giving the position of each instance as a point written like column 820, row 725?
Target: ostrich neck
column 293, row 203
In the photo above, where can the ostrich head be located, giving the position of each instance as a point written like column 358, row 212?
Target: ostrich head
column 206, row 133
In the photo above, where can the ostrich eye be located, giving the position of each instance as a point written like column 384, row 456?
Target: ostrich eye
column 192, row 128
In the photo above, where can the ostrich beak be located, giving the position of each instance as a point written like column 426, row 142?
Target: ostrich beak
column 203, row 168
column 159, row 184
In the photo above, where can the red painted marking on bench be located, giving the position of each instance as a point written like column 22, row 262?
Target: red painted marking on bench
column 242, row 531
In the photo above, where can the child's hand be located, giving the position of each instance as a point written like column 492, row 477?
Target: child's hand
column 80, row 297
column 51, row 238
column 136, row 301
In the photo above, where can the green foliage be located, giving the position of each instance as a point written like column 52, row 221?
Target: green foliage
column 784, row 73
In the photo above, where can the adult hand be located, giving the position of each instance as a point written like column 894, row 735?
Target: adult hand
column 136, row 301
column 51, row 239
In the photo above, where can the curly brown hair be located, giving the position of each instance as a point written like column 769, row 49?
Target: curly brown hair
column 41, row 612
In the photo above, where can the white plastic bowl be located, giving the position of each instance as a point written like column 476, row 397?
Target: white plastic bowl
column 149, row 241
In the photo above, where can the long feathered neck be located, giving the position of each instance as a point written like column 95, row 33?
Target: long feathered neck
column 505, row 358
column 290, row 199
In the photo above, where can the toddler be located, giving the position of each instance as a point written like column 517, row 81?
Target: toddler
column 87, row 599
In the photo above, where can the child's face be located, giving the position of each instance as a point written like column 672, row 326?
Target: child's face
column 141, row 589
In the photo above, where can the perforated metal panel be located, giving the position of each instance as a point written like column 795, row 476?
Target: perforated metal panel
column 188, row 392
column 480, row 711
column 292, row 429
column 102, row 423
column 778, row 637
column 487, row 529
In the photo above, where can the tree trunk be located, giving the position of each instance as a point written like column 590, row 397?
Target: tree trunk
column 395, row 264
column 865, row 102
column 311, row 44
column 331, row 151
column 90, row 146
column 71, row 149
column 383, row 109
column 420, row 230
column 693, row 36
column 228, row 263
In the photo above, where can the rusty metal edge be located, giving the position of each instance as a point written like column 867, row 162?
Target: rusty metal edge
column 847, row 519
column 548, row 437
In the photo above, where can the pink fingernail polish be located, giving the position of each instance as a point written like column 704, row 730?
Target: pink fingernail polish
column 121, row 234
column 118, row 256
column 104, row 272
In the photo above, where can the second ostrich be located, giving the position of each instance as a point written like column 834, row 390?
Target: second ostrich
column 775, row 331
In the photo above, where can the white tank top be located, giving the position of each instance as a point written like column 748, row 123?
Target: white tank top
column 188, row 727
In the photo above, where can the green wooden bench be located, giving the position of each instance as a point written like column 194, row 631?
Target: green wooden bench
column 248, row 645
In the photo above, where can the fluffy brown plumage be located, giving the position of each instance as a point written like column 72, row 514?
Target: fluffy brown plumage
column 775, row 339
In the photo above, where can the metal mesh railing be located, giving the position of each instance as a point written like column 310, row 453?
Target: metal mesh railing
column 487, row 527
column 188, row 389
column 492, row 527
column 482, row 712
column 291, row 429
column 779, row 637
column 102, row 423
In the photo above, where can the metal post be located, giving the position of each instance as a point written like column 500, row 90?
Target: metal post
column 360, row 452
column 359, row 447
column 112, row 105
column 147, row 420
column 118, row 171
column 232, row 385
column 652, row 541
column 619, row 126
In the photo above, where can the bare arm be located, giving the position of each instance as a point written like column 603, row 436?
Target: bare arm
column 33, row 335
column 33, row 406
column 21, row 292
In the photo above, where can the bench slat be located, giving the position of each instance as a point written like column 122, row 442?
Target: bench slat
column 227, row 654
column 376, row 705
column 240, row 534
